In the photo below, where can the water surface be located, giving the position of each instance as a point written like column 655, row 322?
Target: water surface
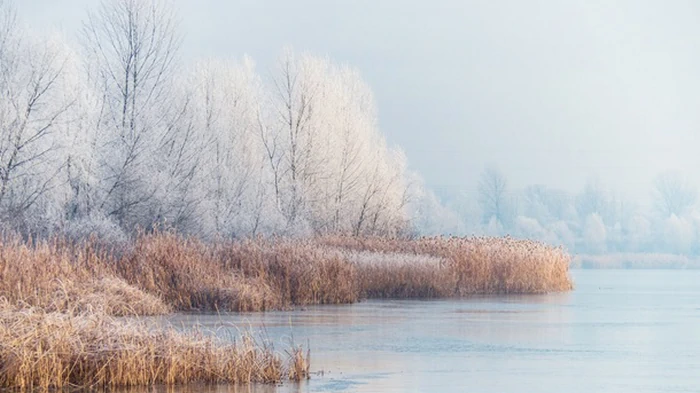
column 618, row 331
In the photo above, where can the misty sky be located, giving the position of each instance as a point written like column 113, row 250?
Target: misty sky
column 551, row 92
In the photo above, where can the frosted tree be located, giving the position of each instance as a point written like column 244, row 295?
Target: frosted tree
column 564, row 234
column 678, row 235
column 331, row 167
column 120, row 139
column 431, row 217
column 238, row 186
column 390, row 217
column 492, row 196
column 593, row 199
column 595, row 233
column 639, row 233
column 131, row 48
column 81, row 139
column 672, row 195
column 358, row 153
column 530, row 228
column 293, row 135
column 179, row 157
column 33, row 112
column 546, row 204
column 303, row 131
column 353, row 121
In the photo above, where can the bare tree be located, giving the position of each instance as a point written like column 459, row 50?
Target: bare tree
column 179, row 191
column 356, row 137
column 296, row 90
column 332, row 169
column 234, row 168
column 593, row 199
column 132, row 47
column 672, row 195
column 492, row 192
column 545, row 204
column 31, row 110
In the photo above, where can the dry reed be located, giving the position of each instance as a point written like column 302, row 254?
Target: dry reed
column 475, row 265
column 300, row 271
column 187, row 274
column 56, row 350
column 57, row 275
column 165, row 271
column 58, row 299
column 400, row 275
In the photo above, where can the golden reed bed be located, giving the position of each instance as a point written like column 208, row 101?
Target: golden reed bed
column 58, row 299
column 42, row 350
column 473, row 265
column 164, row 272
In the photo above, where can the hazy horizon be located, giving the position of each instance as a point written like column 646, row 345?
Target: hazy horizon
column 551, row 93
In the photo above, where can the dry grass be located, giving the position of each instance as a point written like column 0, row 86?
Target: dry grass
column 55, row 350
column 237, row 276
column 187, row 274
column 163, row 271
column 400, row 275
column 299, row 271
column 58, row 299
column 56, row 276
column 113, row 296
column 476, row 265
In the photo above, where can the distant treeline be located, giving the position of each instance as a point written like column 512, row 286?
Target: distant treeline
column 592, row 221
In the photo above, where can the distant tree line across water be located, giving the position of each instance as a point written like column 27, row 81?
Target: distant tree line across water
column 593, row 221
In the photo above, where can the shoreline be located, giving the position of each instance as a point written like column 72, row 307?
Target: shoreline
column 79, row 291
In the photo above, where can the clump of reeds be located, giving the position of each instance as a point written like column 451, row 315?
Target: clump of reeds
column 58, row 299
column 56, row 275
column 188, row 275
column 249, row 275
column 164, row 271
column 299, row 271
column 55, row 350
column 474, row 265
column 400, row 275
column 114, row 296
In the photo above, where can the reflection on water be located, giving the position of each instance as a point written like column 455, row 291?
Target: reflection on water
column 618, row 331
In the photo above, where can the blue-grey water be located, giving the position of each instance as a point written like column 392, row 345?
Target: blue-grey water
column 618, row 331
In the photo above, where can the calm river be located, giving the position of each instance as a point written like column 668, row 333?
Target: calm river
column 618, row 331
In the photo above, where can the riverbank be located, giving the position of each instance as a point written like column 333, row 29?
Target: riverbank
column 61, row 299
column 164, row 272
column 43, row 350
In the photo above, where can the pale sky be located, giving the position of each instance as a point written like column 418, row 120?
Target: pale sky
column 551, row 92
